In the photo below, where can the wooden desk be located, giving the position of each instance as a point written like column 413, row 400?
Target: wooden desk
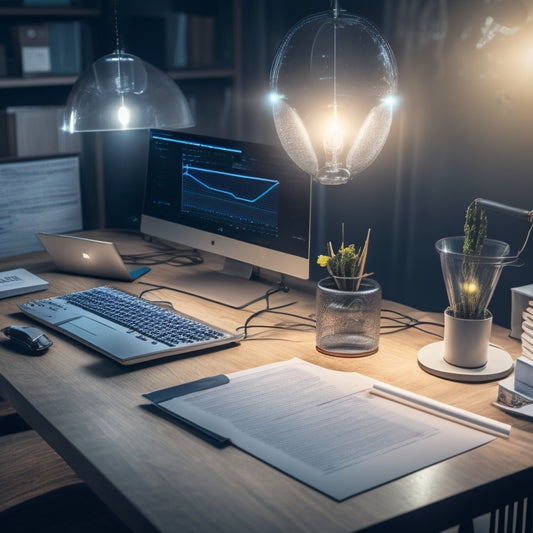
column 159, row 476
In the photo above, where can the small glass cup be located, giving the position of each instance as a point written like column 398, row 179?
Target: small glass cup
column 347, row 322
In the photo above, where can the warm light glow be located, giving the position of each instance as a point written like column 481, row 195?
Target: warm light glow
column 391, row 100
column 123, row 116
column 333, row 136
column 85, row 255
column 529, row 58
column 470, row 287
column 330, row 81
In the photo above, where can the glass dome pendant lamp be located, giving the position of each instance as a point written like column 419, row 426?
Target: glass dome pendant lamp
column 120, row 91
column 333, row 83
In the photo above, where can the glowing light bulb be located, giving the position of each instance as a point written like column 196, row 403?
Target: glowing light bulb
column 334, row 171
column 124, row 116
column 470, row 287
column 333, row 138
column 336, row 74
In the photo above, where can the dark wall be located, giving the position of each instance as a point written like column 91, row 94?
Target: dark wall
column 464, row 130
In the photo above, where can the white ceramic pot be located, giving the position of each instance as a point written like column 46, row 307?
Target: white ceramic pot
column 466, row 340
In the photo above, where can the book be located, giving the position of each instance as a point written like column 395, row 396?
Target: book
column 20, row 281
column 201, row 41
column 65, row 38
column 22, row 127
column 520, row 297
column 33, row 46
column 527, row 332
column 527, row 347
column 523, row 376
column 161, row 39
column 177, row 56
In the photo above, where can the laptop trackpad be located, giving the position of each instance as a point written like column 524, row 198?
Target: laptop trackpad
column 113, row 339
column 88, row 328
column 95, row 332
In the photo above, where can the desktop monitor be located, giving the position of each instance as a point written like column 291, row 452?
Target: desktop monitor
column 38, row 194
column 246, row 202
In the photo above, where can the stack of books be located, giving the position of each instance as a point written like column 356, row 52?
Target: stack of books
column 516, row 391
column 527, row 332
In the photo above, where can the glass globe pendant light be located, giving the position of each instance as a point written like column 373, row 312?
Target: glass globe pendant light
column 333, row 83
column 120, row 91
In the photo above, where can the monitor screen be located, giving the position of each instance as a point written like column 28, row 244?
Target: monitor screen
column 244, row 201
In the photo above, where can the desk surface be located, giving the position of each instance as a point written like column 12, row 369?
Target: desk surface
column 160, row 476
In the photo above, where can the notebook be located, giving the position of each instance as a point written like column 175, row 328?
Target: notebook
column 89, row 257
column 20, row 281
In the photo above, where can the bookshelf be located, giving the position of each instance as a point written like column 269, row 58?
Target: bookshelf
column 218, row 79
column 112, row 162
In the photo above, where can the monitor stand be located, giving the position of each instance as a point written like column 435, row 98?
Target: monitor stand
column 229, row 286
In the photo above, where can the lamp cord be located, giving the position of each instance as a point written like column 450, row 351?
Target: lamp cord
column 115, row 20
column 525, row 242
column 335, row 15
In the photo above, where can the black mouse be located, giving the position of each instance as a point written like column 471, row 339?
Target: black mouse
column 32, row 339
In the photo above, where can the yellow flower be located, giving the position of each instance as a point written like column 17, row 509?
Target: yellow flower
column 347, row 265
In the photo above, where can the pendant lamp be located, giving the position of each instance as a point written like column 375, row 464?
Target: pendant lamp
column 120, row 91
column 333, row 83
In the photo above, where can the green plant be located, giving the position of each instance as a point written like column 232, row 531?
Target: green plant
column 475, row 229
column 347, row 265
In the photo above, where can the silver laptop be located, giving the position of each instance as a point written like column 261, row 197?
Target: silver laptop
column 89, row 257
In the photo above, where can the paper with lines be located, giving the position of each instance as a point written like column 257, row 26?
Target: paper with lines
column 323, row 427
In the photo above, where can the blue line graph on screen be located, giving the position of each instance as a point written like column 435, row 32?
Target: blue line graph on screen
column 243, row 202
column 248, row 183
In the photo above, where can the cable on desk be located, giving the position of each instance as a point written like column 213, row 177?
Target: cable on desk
column 173, row 258
column 403, row 322
column 275, row 310
column 272, row 290
column 246, row 326
column 165, row 255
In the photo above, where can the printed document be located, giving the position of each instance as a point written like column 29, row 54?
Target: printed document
column 323, row 427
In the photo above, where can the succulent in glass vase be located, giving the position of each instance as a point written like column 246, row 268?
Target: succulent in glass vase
column 348, row 303
column 471, row 266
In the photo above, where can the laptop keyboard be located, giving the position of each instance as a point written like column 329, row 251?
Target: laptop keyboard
column 125, row 327
column 143, row 317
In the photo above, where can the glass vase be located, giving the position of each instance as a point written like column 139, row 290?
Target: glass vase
column 347, row 322
column 471, row 279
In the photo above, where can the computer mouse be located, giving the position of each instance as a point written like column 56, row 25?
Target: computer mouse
column 30, row 338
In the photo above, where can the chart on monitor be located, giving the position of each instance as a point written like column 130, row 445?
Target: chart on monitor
column 246, row 202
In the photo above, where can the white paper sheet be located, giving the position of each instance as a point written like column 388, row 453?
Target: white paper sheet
column 324, row 427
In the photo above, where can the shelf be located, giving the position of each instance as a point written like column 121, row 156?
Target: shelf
column 202, row 74
column 45, row 81
column 71, row 12
column 51, row 81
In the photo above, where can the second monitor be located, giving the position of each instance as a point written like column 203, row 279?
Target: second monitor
column 244, row 201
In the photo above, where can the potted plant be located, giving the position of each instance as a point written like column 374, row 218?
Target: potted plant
column 471, row 266
column 348, row 303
